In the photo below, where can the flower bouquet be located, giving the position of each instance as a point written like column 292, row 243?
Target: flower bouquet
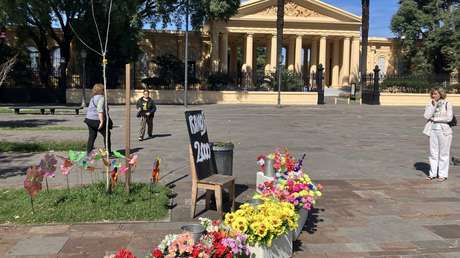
column 267, row 226
column 220, row 241
column 291, row 185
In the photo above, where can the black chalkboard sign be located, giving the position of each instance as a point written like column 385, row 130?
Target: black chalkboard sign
column 201, row 148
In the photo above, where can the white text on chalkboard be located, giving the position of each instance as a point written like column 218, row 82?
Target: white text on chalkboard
column 204, row 152
column 197, row 124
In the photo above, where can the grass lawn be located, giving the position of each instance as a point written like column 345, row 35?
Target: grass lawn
column 84, row 204
column 6, row 146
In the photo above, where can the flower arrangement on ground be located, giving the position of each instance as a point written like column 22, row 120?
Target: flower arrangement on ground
column 265, row 222
column 291, row 184
column 122, row 253
column 220, row 241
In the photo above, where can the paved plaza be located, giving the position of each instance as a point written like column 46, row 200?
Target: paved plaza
column 371, row 160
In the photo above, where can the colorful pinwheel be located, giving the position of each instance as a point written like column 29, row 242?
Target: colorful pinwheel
column 156, row 171
column 48, row 165
column 33, row 183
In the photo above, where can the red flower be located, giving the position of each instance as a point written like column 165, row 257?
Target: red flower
column 124, row 253
column 157, row 253
column 195, row 253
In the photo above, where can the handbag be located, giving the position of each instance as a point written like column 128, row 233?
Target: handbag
column 452, row 122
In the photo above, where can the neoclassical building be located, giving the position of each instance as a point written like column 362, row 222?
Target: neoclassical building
column 314, row 33
column 245, row 46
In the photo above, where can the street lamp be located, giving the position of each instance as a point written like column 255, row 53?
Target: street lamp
column 83, row 55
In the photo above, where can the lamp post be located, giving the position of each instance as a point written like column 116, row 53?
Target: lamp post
column 83, row 55
column 186, row 55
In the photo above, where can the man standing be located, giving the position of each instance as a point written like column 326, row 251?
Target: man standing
column 146, row 111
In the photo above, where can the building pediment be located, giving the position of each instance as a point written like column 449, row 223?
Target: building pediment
column 294, row 10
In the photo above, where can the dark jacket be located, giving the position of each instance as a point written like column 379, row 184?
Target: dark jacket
column 145, row 106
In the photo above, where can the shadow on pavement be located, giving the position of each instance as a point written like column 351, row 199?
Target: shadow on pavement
column 133, row 150
column 423, row 167
column 310, row 227
column 12, row 171
column 29, row 123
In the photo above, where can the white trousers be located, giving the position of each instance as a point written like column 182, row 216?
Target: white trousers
column 439, row 153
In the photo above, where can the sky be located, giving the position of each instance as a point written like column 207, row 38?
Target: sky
column 381, row 12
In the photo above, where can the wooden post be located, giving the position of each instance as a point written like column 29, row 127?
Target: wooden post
column 128, row 125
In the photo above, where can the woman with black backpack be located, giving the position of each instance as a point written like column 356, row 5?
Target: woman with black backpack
column 146, row 111
column 439, row 114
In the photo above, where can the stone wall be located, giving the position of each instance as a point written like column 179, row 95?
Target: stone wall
column 117, row 96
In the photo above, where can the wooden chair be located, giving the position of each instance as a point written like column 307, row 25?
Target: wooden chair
column 214, row 183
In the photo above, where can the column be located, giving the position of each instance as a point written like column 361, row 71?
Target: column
column 314, row 55
column 345, row 71
column 273, row 53
column 291, row 53
column 224, row 53
column 233, row 60
column 322, row 51
column 215, row 52
column 298, row 54
column 305, row 64
column 247, row 66
column 354, row 67
column 268, row 65
column 336, row 63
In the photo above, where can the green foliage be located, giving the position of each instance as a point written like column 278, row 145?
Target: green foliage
column 217, row 81
column 412, row 84
column 6, row 146
column 428, row 35
column 290, row 81
column 84, row 204
column 170, row 71
column 162, row 13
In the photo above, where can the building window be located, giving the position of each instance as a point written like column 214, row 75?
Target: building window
column 56, row 60
column 34, row 58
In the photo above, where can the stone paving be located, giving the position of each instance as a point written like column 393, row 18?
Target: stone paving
column 371, row 160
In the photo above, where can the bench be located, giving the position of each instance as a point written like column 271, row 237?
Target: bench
column 52, row 109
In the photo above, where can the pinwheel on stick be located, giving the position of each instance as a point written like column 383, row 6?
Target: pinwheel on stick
column 155, row 178
column 48, row 166
column 33, row 183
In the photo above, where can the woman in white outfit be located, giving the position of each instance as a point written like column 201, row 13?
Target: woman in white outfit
column 439, row 113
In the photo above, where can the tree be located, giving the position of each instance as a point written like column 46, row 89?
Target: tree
column 426, row 30
column 5, row 68
column 365, row 41
column 279, row 44
column 162, row 13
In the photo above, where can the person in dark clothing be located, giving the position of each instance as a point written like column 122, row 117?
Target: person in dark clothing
column 146, row 111
column 95, row 119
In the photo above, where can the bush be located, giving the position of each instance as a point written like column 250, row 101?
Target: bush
column 411, row 84
column 290, row 81
column 217, row 81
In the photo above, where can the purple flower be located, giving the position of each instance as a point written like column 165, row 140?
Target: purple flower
column 298, row 166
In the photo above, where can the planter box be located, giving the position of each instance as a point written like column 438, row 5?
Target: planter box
column 303, row 217
column 261, row 178
column 281, row 248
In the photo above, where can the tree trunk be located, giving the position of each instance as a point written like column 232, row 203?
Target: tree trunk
column 65, row 54
column 279, row 44
column 365, row 41
column 44, row 65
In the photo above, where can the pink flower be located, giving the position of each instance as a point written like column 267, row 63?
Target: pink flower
column 307, row 206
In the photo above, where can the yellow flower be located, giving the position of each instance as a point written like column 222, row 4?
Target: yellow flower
column 229, row 218
column 240, row 224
